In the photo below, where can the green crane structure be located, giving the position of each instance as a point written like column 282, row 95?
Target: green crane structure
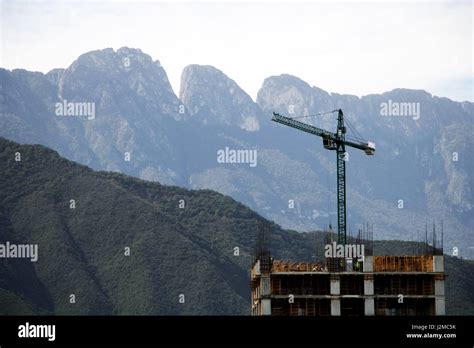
column 338, row 142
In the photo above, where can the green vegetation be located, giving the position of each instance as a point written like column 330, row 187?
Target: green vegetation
column 173, row 250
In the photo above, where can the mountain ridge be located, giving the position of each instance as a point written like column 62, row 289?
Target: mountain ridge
column 176, row 141
column 173, row 250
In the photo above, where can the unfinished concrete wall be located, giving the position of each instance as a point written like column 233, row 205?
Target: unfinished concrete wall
column 408, row 285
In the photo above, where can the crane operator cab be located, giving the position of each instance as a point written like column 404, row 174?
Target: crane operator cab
column 329, row 144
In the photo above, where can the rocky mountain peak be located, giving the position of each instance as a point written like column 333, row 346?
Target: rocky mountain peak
column 214, row 98
column 117, row 79
column 291, row 96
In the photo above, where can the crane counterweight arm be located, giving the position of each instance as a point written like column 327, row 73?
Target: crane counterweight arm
column 368, row 146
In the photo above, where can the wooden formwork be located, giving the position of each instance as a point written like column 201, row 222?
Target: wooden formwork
column 294, row 266
column 422, row 263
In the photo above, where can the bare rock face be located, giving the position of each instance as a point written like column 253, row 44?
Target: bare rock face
column 140, row 127
column 422, row 147
column 130, row 103
column 213, row 98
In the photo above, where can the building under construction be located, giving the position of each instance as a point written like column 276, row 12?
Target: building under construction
column 373, row 285
column 343, row 284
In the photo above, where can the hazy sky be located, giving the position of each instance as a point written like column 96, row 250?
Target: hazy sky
column 345, row 47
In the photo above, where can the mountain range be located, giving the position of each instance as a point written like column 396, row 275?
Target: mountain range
column 421, row 170
column 111, row 244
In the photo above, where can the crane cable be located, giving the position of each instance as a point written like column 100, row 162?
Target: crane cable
column 357, row 135
column 318, row 114
column 354, row 130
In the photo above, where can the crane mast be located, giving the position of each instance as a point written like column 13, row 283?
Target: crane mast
column 333, row 141
column 341, row 179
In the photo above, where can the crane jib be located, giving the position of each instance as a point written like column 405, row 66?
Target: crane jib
column 302, row 126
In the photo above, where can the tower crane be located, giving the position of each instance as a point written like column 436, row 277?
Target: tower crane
column 336, row 142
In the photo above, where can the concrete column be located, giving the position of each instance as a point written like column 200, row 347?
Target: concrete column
column 440, row 302
column 265, row 286
column 257, row 268
column 368, row 284
column 266, row 306
column 368, row 264
column 438, row 263
column 265, row 291
column 439, row 287
column 335, row 307
column 440, row 306
column 335, row 285
column 369, row 305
